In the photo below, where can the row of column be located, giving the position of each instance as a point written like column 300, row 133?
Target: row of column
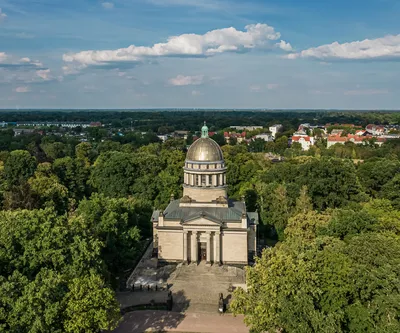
column 194, row 254
column 216, row 180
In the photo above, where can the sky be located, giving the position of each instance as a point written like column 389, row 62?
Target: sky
column 128, row 54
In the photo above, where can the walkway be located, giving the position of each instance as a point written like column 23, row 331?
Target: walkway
column 164, row 321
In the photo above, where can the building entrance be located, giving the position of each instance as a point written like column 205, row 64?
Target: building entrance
column 202, row 251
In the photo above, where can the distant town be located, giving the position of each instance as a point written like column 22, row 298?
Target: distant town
column 306, row 135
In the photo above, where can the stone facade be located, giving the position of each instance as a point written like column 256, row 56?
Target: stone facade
column 205, row 224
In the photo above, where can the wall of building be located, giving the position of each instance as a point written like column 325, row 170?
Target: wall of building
column 204, row 195
column 170, row 245
column 251, row 238
column 234, row 247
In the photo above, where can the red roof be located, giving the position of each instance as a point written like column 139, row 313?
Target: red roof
column 298, row 138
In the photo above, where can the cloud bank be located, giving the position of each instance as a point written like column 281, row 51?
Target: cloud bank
column 23, row 70
column 384, row 48
column 187, row 45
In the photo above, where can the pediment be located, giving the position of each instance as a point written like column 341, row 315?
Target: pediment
column 202, row 219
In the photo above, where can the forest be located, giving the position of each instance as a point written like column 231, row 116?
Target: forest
column 75, row 217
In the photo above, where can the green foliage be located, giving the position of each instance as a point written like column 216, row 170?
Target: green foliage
column 374, row 174
column 117, row 223
column 347, row 222
column 19, row 166
column 44, row 262
column 91, row 306
column 316, row 283
column 113, row 174
column 73, row 174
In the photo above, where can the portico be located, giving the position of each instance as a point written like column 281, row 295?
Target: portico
column 193, row 241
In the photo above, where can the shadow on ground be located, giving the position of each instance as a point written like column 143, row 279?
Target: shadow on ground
column 155, row 320
column 180, row 301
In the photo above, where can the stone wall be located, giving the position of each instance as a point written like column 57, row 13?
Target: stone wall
column 234, row 247
column 170, row 242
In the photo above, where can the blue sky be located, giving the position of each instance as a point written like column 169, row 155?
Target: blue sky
column 200, row 53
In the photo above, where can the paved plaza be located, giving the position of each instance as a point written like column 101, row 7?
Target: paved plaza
column 195, row 289
column 165, row 321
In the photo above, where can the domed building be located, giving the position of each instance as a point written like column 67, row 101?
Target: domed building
column 205, row 224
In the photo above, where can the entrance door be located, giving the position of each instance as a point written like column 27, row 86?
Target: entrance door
column 202, row 251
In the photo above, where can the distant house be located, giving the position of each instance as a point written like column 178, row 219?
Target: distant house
column 356, row 139
column 239, row 137
column 375, row 129
column 181, row 134
column 361, row 132
column 305, row 141
column 246, row 128
column 23, row 131
column 337, row 131
column 163, row 138
column 95, row 124
column 264, row 136
column 275, row 129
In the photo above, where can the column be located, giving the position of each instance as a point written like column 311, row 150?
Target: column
column 217, row 239
column 191, row 179
column 194, row 256
column 215, row 180
column 221, row 181
column 207, row 181
column 185, row 246
column 208, row 246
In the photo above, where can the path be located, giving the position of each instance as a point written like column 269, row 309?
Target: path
column 165, row 321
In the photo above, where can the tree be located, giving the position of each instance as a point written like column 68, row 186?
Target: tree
column 47, row 264
column 375, row 173
column 118, row 223
column 91, row 306
column 74, row 175
column 47, row 190
column 391, row 191
column 19, row 166
column 303, row 202
column 324, row 285
column 114, row 174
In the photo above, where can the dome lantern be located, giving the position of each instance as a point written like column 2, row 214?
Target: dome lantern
column 204, row 131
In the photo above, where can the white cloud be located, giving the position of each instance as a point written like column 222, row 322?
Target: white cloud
column 2, row 16
column 23, row 89
column 45, row 74
column 23, row 70
column 387, row 47
column 366, row 92
column 182, row 80
column 284, row 46
column 3, row 57
column 186, row 45
column 108, row 5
